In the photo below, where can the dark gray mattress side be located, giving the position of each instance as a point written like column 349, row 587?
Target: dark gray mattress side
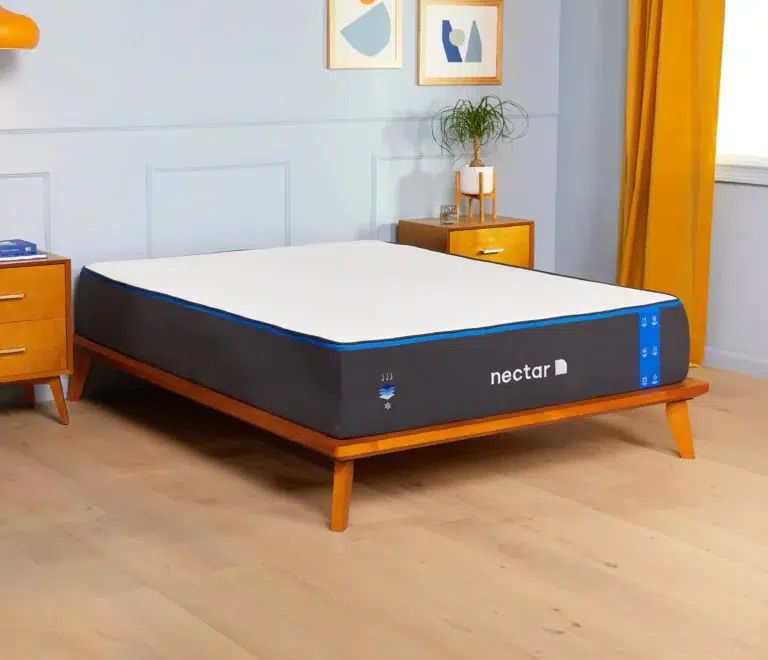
column 478, row 376
column 394, row 385
column 288, row 378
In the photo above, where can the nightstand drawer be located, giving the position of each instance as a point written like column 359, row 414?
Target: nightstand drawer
column 506, row 245
column 31, row 347
column 34, row 292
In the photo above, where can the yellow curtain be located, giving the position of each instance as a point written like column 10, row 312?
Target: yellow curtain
column 668, row 177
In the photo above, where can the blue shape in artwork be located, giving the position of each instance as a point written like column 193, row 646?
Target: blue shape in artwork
column 475, row 46
column 451, row 51
column 370, row 33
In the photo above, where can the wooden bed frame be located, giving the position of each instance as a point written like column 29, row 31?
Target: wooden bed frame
column 345, row 452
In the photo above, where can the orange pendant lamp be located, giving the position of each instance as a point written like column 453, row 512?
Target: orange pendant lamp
column 17, row 31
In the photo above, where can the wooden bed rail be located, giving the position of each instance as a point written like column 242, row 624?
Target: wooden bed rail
column 345, row 452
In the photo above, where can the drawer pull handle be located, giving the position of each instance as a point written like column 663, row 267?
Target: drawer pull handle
column 13, row 351
column 12, row 296
column 493, row 251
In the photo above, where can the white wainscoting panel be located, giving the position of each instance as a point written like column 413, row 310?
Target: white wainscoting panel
column 211, row 208
column 25, row 207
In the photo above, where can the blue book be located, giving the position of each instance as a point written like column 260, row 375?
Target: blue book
column 15, row 247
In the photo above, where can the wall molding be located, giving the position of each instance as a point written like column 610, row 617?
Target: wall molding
column 46, row 179
column 152, row 171
column 229, row 124
column 376, row 162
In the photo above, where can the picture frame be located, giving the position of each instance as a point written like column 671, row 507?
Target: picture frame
column 365, row 34
column 461, row 42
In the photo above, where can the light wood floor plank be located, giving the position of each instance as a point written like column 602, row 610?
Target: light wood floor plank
column 152, row 528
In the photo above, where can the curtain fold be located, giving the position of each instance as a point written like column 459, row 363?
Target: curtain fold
column 668, row 173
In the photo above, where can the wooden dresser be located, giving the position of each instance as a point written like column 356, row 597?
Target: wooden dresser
column 504, row 240
column 36, row 326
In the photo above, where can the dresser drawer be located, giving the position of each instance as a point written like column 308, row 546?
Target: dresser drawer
column 30, row 347
column 34, row 292
column 506, row 245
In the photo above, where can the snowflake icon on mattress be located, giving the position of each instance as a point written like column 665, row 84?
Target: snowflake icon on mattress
column 386, row 392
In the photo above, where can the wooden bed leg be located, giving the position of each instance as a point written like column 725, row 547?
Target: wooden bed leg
column 80, row 375
column 680, row 423
column 343, row 473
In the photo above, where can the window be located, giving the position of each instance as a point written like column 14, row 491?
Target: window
column 742, row 139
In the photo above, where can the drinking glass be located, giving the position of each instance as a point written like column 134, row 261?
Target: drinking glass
column 449, row 214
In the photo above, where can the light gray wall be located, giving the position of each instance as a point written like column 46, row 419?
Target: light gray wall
column 142, row 128
column 737, row 337
column 593, row 43
column 591, row 123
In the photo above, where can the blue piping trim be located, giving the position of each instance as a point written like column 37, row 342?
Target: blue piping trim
column 384, row 343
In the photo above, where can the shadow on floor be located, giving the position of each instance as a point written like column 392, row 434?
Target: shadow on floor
column 284, row 467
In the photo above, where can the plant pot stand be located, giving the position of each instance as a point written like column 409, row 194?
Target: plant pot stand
column 481, row 197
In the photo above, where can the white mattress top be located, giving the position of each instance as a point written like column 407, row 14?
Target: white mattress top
column 370, row 290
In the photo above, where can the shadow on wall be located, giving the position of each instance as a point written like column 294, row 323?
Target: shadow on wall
column 421, row 193
column 413, row 180
column 590, row 137
column 8, row 63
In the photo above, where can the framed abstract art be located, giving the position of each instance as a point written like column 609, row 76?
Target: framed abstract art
column 461, row 42
column 365, row 34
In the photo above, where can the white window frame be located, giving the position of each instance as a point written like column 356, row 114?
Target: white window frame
column 752, row 171
column 734, row 168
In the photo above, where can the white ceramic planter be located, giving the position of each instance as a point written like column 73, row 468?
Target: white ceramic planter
column 469, row 180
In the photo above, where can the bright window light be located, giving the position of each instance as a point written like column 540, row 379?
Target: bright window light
column 743, row 123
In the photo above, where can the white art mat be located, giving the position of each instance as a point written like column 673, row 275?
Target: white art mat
column 365, row 34
column 460, row 41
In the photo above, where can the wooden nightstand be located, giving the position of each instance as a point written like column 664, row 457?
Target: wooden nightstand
column 36, row 326
column 504, row 240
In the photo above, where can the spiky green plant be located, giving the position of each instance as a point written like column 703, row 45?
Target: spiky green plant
column 487, row 121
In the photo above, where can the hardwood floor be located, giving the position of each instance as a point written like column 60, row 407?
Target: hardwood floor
column 153, row 528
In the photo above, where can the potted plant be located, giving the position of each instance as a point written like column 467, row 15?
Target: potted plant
column 487, row 121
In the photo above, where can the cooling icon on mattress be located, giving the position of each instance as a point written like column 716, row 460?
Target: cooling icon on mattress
column 386, row 392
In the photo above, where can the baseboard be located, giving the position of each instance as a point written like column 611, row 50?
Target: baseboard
column 745, row 364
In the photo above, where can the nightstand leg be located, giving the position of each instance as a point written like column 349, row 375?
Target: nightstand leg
column 58, row 397
column 30, row 392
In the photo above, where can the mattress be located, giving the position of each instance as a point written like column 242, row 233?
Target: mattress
column 366, row 337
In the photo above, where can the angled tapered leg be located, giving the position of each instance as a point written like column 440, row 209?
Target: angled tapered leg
column 80, row 375
column 58, row 397
column 680, row 423
column 457, row 196
column 29, row 390
column 343, row 474
column 482, row 198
